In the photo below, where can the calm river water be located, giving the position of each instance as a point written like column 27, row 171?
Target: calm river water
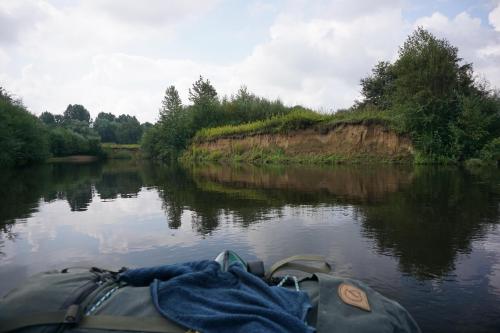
column 427, row 237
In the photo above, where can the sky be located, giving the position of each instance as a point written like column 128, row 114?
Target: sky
column 120, row 56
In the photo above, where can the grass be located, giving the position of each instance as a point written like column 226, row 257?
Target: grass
column 299, row 120
column 73, row 159
column 117, row 151
column 276, row 155
column 111, row 145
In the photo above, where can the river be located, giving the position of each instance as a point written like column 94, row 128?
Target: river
column 427, row 237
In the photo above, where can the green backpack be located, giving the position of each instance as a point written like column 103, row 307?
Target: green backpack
column 92, row 300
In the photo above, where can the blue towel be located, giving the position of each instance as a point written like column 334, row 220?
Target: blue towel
column 198, row 295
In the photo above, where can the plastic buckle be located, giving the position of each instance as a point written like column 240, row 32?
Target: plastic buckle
column 73, row 315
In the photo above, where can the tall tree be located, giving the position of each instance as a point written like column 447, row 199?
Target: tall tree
column 77, row 112
column 23, row 136
column 47, row 118
column 129, row 129
column 378, row 87
column 430, row 77
column 171, row 103
column 202, row 92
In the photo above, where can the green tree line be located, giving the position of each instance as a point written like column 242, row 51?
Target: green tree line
column 178, row 123
column 28, row 139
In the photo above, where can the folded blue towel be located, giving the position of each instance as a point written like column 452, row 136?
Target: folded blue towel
column 198, row 295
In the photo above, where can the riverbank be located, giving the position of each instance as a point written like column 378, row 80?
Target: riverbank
column 115, row 151
column 343, row 142
column 111, row 151
column 74, row 159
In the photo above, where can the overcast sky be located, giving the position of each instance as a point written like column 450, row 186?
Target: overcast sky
column 119, row 56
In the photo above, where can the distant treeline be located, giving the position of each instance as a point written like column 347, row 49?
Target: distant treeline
column 29, row 139
column 428, row 93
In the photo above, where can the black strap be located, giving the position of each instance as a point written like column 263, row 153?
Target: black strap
column 103, row 322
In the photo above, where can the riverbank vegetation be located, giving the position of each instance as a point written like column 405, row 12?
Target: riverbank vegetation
column 428, row 93
column 179, row 123
column 23, row 136
column 27, row 139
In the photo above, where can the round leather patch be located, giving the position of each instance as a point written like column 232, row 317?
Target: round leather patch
column 354, row 296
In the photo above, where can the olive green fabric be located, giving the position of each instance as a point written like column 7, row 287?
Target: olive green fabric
column 335, row 315
column 41, row 298
column 116, row 323
column 290, row 263
column 130, row 307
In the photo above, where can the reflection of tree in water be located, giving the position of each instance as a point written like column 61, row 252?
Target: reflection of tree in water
column 6, row 233
column 113, row 184
column 21, row 190
column 425, row 217
column 79, row 196
column 427, row 224
column 73, row 182
column 179, row 192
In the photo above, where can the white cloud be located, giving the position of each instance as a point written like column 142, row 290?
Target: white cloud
column 319, row 62
column 494, row 17
column 18, row 17
column 151, row 13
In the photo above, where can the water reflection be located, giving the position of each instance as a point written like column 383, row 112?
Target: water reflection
column 444, row 210
column 426, row 236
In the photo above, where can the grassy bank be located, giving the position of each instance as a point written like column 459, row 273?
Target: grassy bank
column 110, row 151
column 74, row 159
column 299, row 120
column 294, row 122
column 278, row 156
column 115, row 151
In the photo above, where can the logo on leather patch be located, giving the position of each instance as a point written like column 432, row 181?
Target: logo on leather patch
column 354, row 296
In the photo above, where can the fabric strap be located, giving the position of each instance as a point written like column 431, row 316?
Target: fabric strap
column 103, row 322
column 290, row 264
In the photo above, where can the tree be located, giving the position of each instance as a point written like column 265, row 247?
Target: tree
column 170, row 104
column 128, row 129
column 202, row 92
column 429, row 67
column 205, row 110
column 106, row 116
column 23, row 136
column 429, row 80
column 47, row 118
column 105, row 125
column 59, row 119
column 77, row 112
column 106, row 129
column 377, row 88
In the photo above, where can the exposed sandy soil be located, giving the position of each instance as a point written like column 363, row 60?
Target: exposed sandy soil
column 347, row 140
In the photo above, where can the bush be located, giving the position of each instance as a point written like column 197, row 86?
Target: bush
column 23, row 136
column 491, row 151
column 65, row 142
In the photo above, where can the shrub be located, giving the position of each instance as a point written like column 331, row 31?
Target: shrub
column 23, row 136
column 491, row 151
column 65, row 142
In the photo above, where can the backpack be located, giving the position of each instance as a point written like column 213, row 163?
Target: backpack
column 94, row 300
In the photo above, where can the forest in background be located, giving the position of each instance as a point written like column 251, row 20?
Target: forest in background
column 28, row 139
